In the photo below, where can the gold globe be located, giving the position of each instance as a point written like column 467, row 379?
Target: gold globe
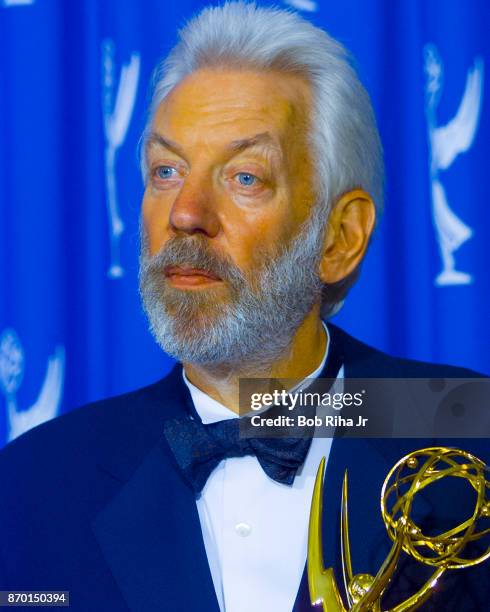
column 414, row 473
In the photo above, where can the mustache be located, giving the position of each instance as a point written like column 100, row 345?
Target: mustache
column 192, row 252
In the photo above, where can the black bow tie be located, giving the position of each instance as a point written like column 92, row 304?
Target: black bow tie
column 199, row 448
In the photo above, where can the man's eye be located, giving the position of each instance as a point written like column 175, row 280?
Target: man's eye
column 246, row 179
column 165, row 172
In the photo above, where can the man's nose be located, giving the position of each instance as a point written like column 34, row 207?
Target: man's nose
column 193, row 211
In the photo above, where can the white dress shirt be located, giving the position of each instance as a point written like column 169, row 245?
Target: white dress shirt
column 255, row 529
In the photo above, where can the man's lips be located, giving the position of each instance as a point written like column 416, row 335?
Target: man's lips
column 190, row 276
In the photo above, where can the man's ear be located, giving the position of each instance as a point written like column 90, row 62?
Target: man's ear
column 349, row 228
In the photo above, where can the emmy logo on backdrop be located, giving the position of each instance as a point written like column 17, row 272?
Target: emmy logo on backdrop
column 117, row 110
column 446, row 143
column 11, row 374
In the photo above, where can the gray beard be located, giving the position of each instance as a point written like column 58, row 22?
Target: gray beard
column 254, row 325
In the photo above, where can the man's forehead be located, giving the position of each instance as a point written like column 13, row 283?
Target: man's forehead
column 246, row 107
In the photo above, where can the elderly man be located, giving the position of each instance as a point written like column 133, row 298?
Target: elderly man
column 263, row 179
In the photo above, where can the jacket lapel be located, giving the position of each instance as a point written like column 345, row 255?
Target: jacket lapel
column 149, row 532
column 367, row 462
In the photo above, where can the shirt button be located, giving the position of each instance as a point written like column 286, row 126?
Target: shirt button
column 243, row 529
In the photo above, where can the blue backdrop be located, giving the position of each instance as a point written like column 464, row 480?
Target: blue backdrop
column 73, row 92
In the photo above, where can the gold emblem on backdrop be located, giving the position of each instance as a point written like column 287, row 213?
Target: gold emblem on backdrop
column 444, row 552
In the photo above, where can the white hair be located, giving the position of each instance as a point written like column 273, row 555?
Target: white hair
column 343, row 132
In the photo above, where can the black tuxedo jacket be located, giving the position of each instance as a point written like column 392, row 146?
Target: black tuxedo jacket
column 94, row 503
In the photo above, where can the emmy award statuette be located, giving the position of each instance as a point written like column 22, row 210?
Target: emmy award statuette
column 443, row 552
